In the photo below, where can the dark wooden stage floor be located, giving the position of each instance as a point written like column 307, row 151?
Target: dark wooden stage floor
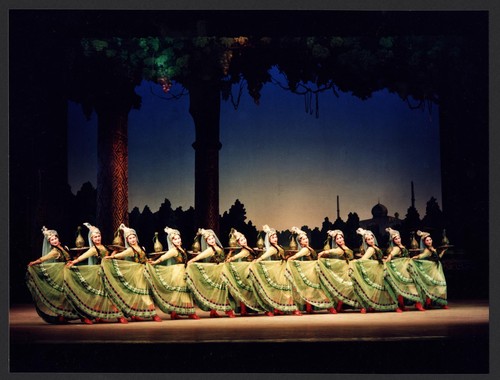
column 435, row 341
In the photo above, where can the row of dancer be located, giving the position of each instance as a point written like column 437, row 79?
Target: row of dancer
column 127, row 285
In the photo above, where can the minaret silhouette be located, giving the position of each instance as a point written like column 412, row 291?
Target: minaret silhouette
column 338, row 208
column 412, row 196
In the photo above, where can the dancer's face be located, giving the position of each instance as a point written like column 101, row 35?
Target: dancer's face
column 96, row 238
column 428, row 241
column 397, row 240
column 211, row 240
column 54, row 240
column 304, row 241
column 176, row 240
column 273, row 239
column 132, row 239
column 242, row 241
column 339, row 240
column 370, row 240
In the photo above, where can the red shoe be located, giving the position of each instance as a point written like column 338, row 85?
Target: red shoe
column 444, row 307
column 243, row 308
column 332, row 310
column 122, row 320
column 309, row 308
column 297, row 312
column 174, row 315
column 86, row 321
column 193, row 316
column 269, row 314
column 213, row 314
column 157, row 318
column 136, row 319
column 99, row 320
column 419, row 306
column 62, row 319
column 363, row 310
column 278, row 312
column 230, row 314
column 398, row 310
column 428, row 303
column 401, row 303
column 339, row 307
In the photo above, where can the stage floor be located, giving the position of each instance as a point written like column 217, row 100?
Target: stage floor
column 435, row 341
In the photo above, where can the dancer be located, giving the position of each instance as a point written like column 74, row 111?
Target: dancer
column 398, row 275
column 125, row 280
column 205, row 279
column 368, row 276
column 428, row 272
column 84, row 285
column 305, row 277
column 334, row 272
column 167, row 278
column 45, row 281
column 236, row 274
column 273, row 290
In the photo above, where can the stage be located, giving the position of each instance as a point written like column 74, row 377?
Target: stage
column 434, row 341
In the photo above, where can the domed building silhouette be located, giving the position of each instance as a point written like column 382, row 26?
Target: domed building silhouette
column 380, row 220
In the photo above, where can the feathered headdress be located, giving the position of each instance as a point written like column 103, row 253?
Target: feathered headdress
column 333, row 234
column 269, row 231
column 46, row 247
column 171, row 232
column 422, row 235
column 126, row 233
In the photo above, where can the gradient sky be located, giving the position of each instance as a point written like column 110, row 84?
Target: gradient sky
column 286, row 166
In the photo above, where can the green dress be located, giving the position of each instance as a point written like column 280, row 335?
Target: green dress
column 427, row 272
column 334, row 274
column 127, row 285
column 207, row 284
column 370, row 285
column 45, row 282
column 236, row 274
column 399, row 276
column 167, row 281
column 85, row 289
column 304, row 276
column 270, row 282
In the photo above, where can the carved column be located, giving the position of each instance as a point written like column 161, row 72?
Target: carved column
column 112, row 171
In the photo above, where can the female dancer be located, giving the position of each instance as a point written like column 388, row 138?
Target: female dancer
column 45, row 280
column 125, row 280
column 205, row 279
column 236, row 272
column 398, row 275
column 304, row 276
column 84, row 285
column 167, row 278
column 368, row 277
column 273, row 290
column 334, row 268
column 428, row 273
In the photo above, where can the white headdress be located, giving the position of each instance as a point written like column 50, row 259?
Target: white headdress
column 92, row 230
column 299, row 234
column 366, row 233
column 333, row 234
column 205, row 234
column 422, row 235
column 46, row 246
column 126, row 233
column 237, row 235
column 269, row 231
column 392, row 235
column 171, row 232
